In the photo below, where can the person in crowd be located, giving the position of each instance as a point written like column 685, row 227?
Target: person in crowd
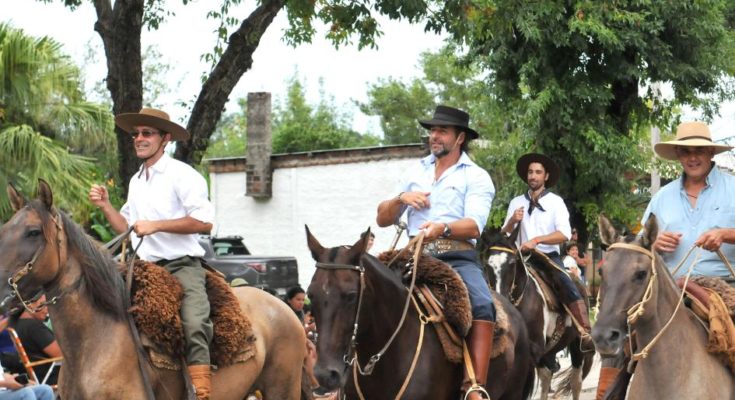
column 296, row 299
column 448, row 197
column 168, row 205
column 38, row 340
column 12, row 389
column 570, row 260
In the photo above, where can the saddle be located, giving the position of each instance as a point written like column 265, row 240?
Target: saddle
column 156, row 305
column 443, row 297
column 713, row 301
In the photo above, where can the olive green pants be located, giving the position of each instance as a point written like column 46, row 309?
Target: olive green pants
column 194, row 307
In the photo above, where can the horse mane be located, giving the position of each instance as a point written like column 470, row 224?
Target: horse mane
column 99, row 271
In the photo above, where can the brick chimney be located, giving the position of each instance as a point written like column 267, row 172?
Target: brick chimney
column 258, row 159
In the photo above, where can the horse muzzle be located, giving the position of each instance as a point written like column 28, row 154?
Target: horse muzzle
column 331, row 378
column 608, row 340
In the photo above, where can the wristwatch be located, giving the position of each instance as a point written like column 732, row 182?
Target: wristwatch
column 447, row 231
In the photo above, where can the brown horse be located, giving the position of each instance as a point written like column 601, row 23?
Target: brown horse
column 678, row 365
column 43, row 249
column 358, row 302
column 513, row 281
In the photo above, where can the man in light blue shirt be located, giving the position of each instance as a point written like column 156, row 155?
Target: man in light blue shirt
column 448, row 196
column 695, row 203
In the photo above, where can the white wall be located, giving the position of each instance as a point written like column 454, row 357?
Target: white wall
column 337, row 201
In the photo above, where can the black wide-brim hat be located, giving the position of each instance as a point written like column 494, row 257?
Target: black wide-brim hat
column 549, row 165
column 154, row 118
column 450, row 116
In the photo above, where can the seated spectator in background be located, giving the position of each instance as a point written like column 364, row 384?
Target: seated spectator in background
column 570, row 260
column 295, row 298
column 11, row 389
column 38, row 340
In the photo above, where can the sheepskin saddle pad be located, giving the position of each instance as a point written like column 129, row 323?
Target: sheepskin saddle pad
column 449, row 291
column 721, row 287
column 156, row 306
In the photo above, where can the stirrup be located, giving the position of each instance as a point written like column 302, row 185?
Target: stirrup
column 476, row 388
column 588, row 338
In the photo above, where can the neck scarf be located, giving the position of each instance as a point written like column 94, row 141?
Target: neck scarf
column 533, row 204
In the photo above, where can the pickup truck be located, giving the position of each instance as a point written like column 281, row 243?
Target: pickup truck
column 230, row 256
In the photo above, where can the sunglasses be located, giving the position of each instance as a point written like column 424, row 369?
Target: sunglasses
column 146, row 133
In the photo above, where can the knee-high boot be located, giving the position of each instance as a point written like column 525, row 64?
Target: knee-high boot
column 480, row 346
column 201, row 377
column 579, row 313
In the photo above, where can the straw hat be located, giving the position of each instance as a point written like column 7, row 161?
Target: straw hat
column 153, row 118
column 549, row 165
column 450, row 116
column 694, row 134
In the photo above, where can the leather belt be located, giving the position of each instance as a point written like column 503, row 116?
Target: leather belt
column 441, row 246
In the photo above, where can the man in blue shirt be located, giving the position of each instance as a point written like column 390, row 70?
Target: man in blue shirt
column 690, row 211
column 448, row 196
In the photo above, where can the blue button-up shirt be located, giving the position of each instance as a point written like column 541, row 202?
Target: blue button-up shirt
column 464, row 190
column 714, row 209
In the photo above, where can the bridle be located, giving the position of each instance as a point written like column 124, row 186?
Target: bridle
column 350, row 357
column 27, row 269
column 515, row 253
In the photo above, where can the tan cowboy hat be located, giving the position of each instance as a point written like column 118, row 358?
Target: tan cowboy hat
column 153, row 118
column 549, row 165
column 695, row 134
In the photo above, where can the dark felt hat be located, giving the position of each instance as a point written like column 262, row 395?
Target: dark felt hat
column 153, row 118
column 549, row 165
column 450, row 116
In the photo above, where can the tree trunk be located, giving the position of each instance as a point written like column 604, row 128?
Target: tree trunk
column 235, row 61
column 120, row 29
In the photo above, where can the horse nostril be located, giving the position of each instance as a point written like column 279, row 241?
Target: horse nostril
column 614, row 335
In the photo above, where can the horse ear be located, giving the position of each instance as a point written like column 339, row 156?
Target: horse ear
column 45, row 194
column 314, row 246
column 360, row 247
column 608, row 234
column 16, row 200
column 650, row 232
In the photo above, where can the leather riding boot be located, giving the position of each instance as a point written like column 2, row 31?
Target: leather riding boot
column 607, row 377
column 579, row 313
column 201, row 378
column 480, row 346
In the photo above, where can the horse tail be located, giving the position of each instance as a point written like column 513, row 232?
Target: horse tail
column 570, row 377
column 306, row 390
column 564, row 386
column 530, row 382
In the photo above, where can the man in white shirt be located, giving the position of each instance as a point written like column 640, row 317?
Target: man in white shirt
column 168, row 205
column 544, row 224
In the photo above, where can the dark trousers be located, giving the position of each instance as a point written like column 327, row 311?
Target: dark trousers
column 570, row 293
column 466, row 264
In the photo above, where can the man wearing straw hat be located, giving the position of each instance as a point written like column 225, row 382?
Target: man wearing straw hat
column 544, row 225
column 691, row 210
column 168, row 206
column 448, row 196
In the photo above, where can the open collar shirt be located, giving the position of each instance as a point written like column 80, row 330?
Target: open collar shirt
column 464, row 190
column 172, row 190
column 714, row 209
column 554, row 217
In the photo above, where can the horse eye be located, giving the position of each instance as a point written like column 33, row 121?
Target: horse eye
column 640, row 275
column 350, row 298
column 33, row 233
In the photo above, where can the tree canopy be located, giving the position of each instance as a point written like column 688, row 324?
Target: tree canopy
column 46, row 125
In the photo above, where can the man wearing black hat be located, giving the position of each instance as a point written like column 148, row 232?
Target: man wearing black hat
column 448, row 196
column 544, row 224
column 168, row 205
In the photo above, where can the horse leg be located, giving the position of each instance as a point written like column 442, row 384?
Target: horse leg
column 544, row 376
column 279, row 379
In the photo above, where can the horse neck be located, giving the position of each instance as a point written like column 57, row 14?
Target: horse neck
column 682, row 329
column 383, row 302
column 81, row 329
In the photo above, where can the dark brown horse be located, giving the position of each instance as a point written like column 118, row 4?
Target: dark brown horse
column 43, row 249
column 358, row 303
column 513, row 281
column 638, row 293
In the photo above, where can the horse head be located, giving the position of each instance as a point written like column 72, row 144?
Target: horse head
column 335, row 293
column 32, row 244
column 625, row 274
column 504, row 263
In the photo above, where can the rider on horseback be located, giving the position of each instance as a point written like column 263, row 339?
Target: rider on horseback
column 167, row 203
column 545, row 227
column 449, row 197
